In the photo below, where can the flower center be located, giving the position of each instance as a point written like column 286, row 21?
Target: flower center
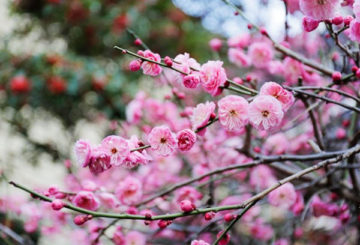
column 233, row 113
column 113, row 150
column 265, row 113
column 321, row 2
column 162, row 140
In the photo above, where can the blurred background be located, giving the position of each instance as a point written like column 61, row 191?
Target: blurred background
column 61, row 79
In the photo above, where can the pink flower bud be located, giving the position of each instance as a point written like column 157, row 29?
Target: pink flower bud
column 340, row 133
column 225, row 240
column 209, row 215
column 168, row 61
column 229, row 217
column 186, row 139
column 215, row 44
column 336, row 76
column 132, row 210
column 187, row 206
column 347, row 20
column 138, row 42
column 80, row 219
column 164, row 223
column 57, row 204
column 338, row 20
column 309, row 24
column 135, row 65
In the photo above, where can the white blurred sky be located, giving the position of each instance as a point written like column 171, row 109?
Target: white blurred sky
column 219, row 18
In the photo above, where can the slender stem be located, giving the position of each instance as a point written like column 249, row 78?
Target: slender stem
column 257, row 197
column 135, row 36
column 331, row 90
column 353, row 108
column 125, row 51
column 317, row 130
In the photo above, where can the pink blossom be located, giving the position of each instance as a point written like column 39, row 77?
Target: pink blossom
column 354, row 33
column 129, row 191
column 162, row 140
column 184, row 63
column 187, row 206
column 284, row 196
column 215, row 44
column 135, row 238
column 134, row 111
column 199, row 242
column 150, row 68
column 233, row 112
column 82, row 152
column 187, row 193
column 186, row 139
column 309, row 24
column 117, row 147
column 285, row 97
column 260, row 53
column 213, row 76
column 292, row 5
column 201, row 114
column 299, row 205
column 261, row 177
column 276, row 144
column 238, row 57
column 135, row 65
column 294, row 70
column 322, row 208
column 100, row 160
column 240, row 41
column 108, row 200
column 319, row 9
column 87, row 200
column 136, row 158
column 118, row 236
column 261, row 231
column 192, row 80
column 281, row 241
column 265, row 112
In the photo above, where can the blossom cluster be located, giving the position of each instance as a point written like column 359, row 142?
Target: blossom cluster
column 253, row 150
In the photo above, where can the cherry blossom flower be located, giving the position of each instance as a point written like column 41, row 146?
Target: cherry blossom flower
column 117, row 147
column 238, row 57
column 135, row 238
column 319, row 9
column 265, row 112
column 87, row 200
column 260, row 53
column 239, row 41
column 213, row 76
column 150, row 68
column 233, row 112
column 199, row 242
column 186, row 139
column 284, row 196
column 354, row 33
column 201, row 114
column 162, row 140
column 129, row 191
column 100, row 160
column 136, row 158
column 82, row 152
column 285, row 97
